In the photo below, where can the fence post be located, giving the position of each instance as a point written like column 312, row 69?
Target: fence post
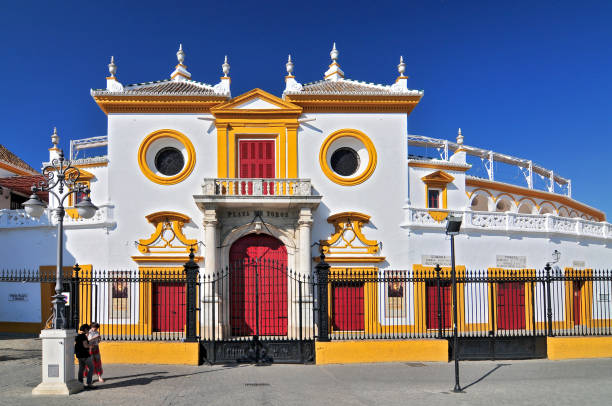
column 323, row 276
column 549, row 314
column 191, row 273
column 438, row 269
column 76, row 302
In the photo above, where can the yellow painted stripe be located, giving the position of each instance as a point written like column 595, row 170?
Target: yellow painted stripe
column 347, row 352
column 140, row 352
column 579, row 347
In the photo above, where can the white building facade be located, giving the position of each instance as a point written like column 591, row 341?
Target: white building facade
column 328, row 165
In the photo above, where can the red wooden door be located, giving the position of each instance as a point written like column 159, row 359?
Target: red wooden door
column 347, row 306
column 511, row 305
column 577, row 285
column 257, row 161
column 169, row 306
column 432, row 304
column 258, row 286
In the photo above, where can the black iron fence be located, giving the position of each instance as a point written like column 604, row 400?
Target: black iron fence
column 263, row 302
column 501, row 303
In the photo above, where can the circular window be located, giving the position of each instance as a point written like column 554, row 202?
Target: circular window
column 169, row 161
column 347, row 157
column 345, row 161
column 166, row 157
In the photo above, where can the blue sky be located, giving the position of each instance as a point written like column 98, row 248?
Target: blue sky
column 525, row 78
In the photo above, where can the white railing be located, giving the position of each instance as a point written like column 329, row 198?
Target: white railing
column 20, row 219
column 512, row 222
column 256, row 187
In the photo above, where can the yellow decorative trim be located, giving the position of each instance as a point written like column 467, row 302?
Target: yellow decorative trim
column 16, row 170
column 365, row 174
column 437, row 180
column 164, row 258
column 167, row 221
column 400, row 78
column 345, row 260
column 234, row 124
column 503, row 187
column 166, row 180
column 158, row 104
column 54, row 149
column 354, row 103
column 459, row 168
column 347, row 243
column 93, row 165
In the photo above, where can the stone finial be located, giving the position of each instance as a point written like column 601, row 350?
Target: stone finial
column 55, row 138
column 401, row 68
column 225, row 67
column 180, row 55
column 112, row 68
column 180, row 72
column 289, row 66
column 334, row 73
column 334, row 53
column 459, row 137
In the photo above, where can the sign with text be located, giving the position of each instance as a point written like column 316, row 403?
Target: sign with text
column 433, row 260
column 18, row 297
column 511, row 261
column 578, row 264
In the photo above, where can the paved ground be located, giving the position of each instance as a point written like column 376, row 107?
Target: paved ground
column 579, row 382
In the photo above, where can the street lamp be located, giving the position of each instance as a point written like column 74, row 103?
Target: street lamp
column 453, row 225
column 61, row 181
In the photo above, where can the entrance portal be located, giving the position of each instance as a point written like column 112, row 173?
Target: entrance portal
column 258, row 286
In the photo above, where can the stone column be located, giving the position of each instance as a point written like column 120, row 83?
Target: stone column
column 304, row 225
column 209, row 309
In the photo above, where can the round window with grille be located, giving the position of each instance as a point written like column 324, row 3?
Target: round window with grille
column 347, row 157
column 345, row 161
column 169, row 161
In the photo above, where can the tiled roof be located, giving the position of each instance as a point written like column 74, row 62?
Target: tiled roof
column 11, row 159
column 350, row 87
column 23, row 185
column 162, row 88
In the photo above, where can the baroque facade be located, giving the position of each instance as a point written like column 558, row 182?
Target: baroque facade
column 327, row 166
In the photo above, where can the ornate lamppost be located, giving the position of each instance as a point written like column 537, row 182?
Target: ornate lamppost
column 453, row 225
column 60, row 179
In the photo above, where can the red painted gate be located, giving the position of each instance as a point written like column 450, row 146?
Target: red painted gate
column 258, row 286
column 347, row 306
column 576, row 301
column 257, row 161
column 432, row 304
column 169, row 306
column 511, row 305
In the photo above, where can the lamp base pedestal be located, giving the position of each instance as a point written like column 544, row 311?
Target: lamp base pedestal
column 57, row 364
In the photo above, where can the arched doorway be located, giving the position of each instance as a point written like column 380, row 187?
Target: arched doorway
column 258, row 286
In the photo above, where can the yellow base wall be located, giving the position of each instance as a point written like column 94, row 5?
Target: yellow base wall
column 346, row 352
column 142, row 352
column 579, row 347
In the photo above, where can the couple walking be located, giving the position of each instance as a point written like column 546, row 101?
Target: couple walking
column 87, row 351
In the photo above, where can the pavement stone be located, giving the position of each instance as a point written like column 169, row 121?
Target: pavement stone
column 531, row 382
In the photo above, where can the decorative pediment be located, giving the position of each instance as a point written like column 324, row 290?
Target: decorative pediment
column 168, row 237
column 258, row 101
column 348, row 243
column 438, row 178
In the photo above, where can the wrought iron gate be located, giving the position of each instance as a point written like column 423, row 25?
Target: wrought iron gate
column 257, row 311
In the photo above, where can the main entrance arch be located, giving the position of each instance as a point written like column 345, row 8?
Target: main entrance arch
column 258, row 286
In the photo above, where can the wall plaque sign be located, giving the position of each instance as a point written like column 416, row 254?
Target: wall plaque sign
column 18, row 297
column 511, row 261
column 433, row 260
column 578, row 264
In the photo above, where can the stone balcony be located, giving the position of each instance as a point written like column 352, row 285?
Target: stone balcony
column 482, row 222
column 242, row 192
column 20, row 219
